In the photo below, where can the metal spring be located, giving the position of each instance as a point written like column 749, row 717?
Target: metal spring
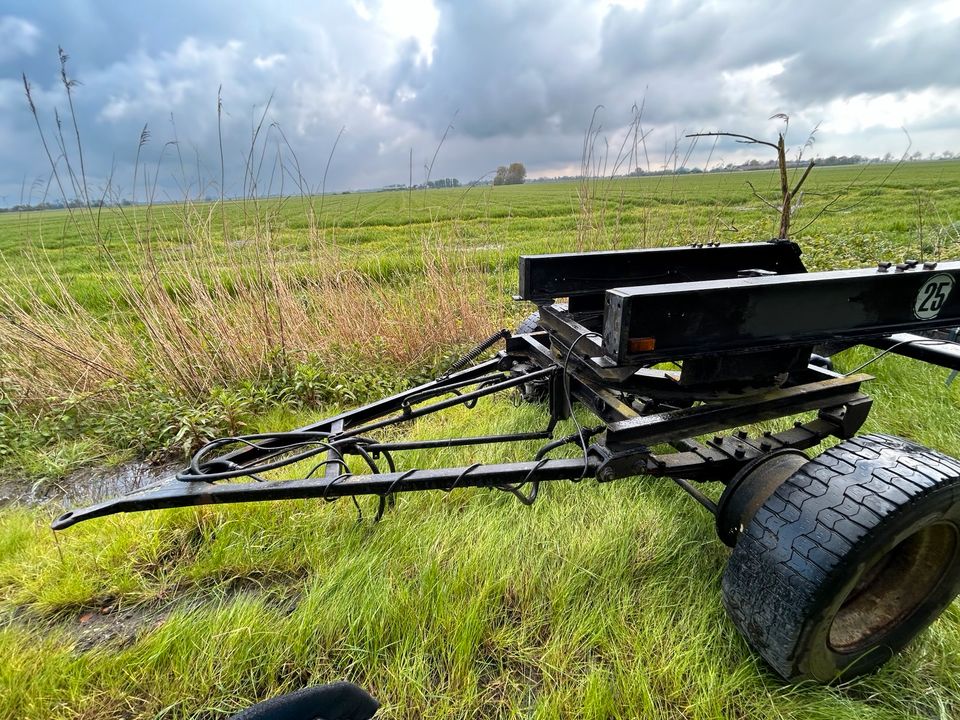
column 476, row 352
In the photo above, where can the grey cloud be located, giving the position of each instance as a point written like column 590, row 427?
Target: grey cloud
column 522, row 78
column 661, row 36
column 314, row 93
column 508, row 68
column 922, row 54
column 677, row 53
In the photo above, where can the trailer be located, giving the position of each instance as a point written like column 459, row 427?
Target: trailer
column 837, row 560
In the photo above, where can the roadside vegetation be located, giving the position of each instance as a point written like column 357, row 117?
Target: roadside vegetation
column 143, row 332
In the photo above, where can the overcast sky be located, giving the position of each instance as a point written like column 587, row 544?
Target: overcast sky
column 516, row 81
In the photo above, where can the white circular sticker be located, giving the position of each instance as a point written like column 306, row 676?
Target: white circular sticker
column 933, row 296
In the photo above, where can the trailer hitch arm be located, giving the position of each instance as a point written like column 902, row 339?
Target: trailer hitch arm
column 176, row 493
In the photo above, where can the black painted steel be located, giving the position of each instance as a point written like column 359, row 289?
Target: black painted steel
column 173, row 495
column 942, row 352
column 707, row 418
column 455, row 442
column 749, row 314
column 543, row 277
column 378, row 409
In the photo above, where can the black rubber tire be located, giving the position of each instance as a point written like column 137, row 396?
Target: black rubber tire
column 531, row 323
column 849, row 559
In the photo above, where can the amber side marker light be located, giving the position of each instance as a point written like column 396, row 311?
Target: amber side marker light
column 644, row 344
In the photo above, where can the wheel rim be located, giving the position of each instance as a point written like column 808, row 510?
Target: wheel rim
column 893, row 587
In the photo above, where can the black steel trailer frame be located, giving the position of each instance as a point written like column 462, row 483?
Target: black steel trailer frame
column 675, row 351
column 706, row 306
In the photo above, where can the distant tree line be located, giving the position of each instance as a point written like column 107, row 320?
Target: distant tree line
column 768, row 165
column 772, row 164
column 443, row 183
column 59, row 205
column 515, row 174
column 430, row 184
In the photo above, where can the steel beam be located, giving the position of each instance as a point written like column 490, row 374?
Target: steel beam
column 181, row 494
column 713, row 417
column 654, row 323
column 543, row 277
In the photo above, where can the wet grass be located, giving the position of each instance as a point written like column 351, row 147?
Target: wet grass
column 599, row 601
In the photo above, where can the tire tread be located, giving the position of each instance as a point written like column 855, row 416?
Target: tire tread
column 805, row 532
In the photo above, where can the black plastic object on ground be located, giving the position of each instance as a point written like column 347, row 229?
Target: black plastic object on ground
column 334, row 701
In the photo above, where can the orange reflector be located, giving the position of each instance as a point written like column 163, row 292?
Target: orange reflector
column 636, row 345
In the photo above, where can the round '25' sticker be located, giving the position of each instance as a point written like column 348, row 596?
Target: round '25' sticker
column 933, row 296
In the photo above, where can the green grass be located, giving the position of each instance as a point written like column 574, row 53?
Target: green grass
column 878, row 215
column 600, row 601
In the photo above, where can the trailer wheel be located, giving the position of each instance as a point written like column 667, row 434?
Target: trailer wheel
column 849, row 559
column 531, row 323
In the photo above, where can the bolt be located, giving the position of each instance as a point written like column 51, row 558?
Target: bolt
column 911, row 263
column 739, row 452
column 883, row 265
column 902, row 266
column 718, row 439
column 765, row 445
column 929, row 265
column 742, row 434
column 606, row 475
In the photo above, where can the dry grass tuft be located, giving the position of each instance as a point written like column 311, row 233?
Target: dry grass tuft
column 194, row 319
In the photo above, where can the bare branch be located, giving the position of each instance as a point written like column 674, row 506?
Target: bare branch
column 796, row 188
column 761, row 198
column 746, row 139
column 784, row 188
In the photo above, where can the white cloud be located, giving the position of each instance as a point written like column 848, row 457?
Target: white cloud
column 417, row 19
column 17, row 37
column 359, row 7
column 268, row 62
column 861, row 113
column 947, row 11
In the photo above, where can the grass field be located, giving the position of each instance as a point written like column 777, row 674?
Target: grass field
column 147, row 331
